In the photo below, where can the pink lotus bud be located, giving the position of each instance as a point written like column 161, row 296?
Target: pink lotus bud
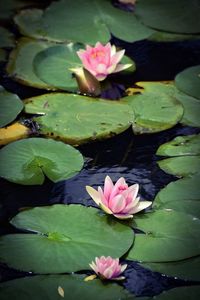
column 101, row 60
column 119, row 199
column 108, row 268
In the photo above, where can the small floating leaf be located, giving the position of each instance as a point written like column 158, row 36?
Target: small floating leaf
column 78, row 119
column 20, row 64
column 170, row 236
column 169, row 15
column 180, row 146
column 10, row 107
column 181, row 166
column 154, row 107
column 63, row 238
column 42, row 287
column 188, row 81
column 28, row 161
column 187, row 269
column 13, row 132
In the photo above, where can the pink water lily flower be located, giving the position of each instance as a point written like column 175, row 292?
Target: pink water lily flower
column 119, row 199
column 108, row 268
column 102, row 60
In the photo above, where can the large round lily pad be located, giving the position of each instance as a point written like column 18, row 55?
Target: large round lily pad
column 6, row 38
column 180, row 146
column 77, row 119
column 63, row 238
column 161, row 36
column 188, row 81
column 154, row 107
column 96, row 18
column 56, row 287
column 171, row 15
column 53, row 66
column 10, row 107
column 180, row 190
column 191, row 107
column 20, row 64
column 181, row 166
column 170, row 236
column 185, row 269
column 28, row 161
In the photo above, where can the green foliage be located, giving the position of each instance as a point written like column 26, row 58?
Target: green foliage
column 28, row 161
column 6, row 38
column 78, row 119
column 63, row 238
column 169, row 236
column 10, row 107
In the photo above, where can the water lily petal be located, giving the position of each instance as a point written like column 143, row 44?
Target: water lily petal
column 121, row 67
column 123, row 267
column 117, row 203
column 105, row 208
column 93, row 194
column 142, row 205
column 117, row 57
column 108, row 186
column 123, row 216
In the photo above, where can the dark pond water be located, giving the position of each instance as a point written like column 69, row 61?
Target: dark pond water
column 124, row 155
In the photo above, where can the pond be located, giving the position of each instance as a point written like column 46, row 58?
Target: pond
column 145, row 128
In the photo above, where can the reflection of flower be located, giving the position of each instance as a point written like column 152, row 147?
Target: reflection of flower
column 119, row 199
column 108, row 268
column 101, row 60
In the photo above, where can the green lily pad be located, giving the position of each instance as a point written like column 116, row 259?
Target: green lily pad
column 10, row 107
column 6, row 38
column 180, row 293
column 78, row 119
column 53, row 64
column 97, row 19
column 180, row 146
column 191, row 110
column 187, row 269
column 20, row 64
column 73, row 287
column 28, row 161
column 170, row 236
column 180, row 190
column 181, row 166
column 191, row 207
column 160, row 36
column 2, row 55
column 188, row 81
column 63, row 238
column 169, row 15
column 154, row 106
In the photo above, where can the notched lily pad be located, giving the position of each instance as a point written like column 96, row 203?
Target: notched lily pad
column 188, row 81
column 28, row 161
column 78, row 119
column 97, row 19
column 49, row 287
column 187, row 269
column 63, row 238
column 154, row 106
column 170, row 236
column 181, row 146
column 181, row 166
column 20, row 64
column 10, row 107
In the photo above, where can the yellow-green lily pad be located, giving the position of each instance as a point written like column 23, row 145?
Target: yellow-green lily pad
column 78, row 119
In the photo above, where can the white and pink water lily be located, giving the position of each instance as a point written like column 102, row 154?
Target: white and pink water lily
column 108, row 268
column 118, row 199
column 102, row 60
